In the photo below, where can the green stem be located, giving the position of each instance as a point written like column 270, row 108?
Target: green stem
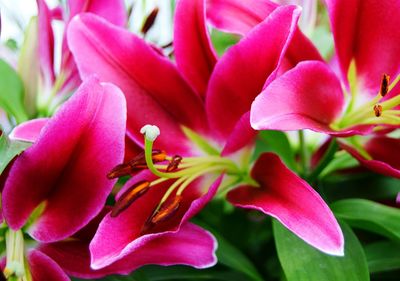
column 304, row 157
column 326, row 159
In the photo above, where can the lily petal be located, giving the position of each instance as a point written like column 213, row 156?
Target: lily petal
column 44, row 268
column 240, row 16
column 307, row 97
column 368, row 32
column 155, row 91
column 107, row 248
column 66, row 167
column 241, row 73
column 383, row 150
column 289, row 199
column 28, row 131
column 191, row 245
column 193, row 51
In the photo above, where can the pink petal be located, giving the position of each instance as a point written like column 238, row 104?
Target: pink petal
column 44, row 268
column 368, row 32
column 307, row 97
column 243, row 134
column 240, row 16
column 241, row 73
column 155, row 91
column 383, row 151
column 193, row 51
column 107, row 248
column 115, row 13
column 46, row 43
column 289, row 199
column 66, row 168
column 191, row 245
column 29, row 130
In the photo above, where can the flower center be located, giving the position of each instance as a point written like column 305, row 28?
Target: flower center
column 377, row 111
column 184, row 170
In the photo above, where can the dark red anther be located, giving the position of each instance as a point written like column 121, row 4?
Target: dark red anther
column 130, row 196
column 150, row 20
column 384, row 85
column 167, row 210
column 378, row 110
column 136, row 164
column 174, row 163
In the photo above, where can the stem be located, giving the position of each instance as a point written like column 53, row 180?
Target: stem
column 304, row 157
column 326, row 159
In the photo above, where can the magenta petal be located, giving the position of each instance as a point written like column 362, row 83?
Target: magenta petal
column 155, row 91
column 240, row 17
column 114, row 13
column 243, row 134
column 193, row 51
column 107, row 248
column 383, row 151
column 44, row 268
column 307, row 97
column 289, row 199
column 29, row 130
column 368, row 32
column 241, row 73
column 46, row 43
column 66, row 167
column 191, row 245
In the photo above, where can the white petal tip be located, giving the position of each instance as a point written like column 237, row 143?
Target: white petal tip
column 151, row 132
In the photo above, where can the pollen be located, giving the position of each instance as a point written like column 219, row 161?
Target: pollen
column 384, row 85
column 167, row 210
column 378, row 110
column 174, row 163
column 130, row 196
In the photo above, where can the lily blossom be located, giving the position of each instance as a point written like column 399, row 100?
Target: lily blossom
column 57, row 185
column 171, row 184
column 353, row 102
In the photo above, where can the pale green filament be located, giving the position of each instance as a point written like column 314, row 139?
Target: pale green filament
column 16, row 267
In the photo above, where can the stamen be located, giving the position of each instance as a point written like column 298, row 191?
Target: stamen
column 378, row 110
column 174, row 163
column 137, row 163
column 167, row 210
column 149, row 22
column 384, row 85
column 130, row 196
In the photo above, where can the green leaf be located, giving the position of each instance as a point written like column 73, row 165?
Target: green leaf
column 370, row 216
column 11, row 92
column 383, row 256
column 277, row 142
column 301, row 262
column 9, row 149
column 231, row 256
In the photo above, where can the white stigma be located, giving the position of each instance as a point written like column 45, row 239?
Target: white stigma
column 151, row 132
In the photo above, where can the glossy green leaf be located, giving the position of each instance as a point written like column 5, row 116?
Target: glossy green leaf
column 383, row 256
column 370, row 216
column 11, row 92
column 277, row 142
column 232, row 257
column 301, row 262
column 9, row 149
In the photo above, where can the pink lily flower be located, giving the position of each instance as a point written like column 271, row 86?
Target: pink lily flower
column 151, row 206
column 67, row 80
column 360, row 97
column 56, row 186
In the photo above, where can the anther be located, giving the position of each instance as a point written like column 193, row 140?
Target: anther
column 151, row 18
column 130, row 196
column 384, row 85
column 136, row 164
column 167, row 210
column 378, row 110
column 174, row 163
